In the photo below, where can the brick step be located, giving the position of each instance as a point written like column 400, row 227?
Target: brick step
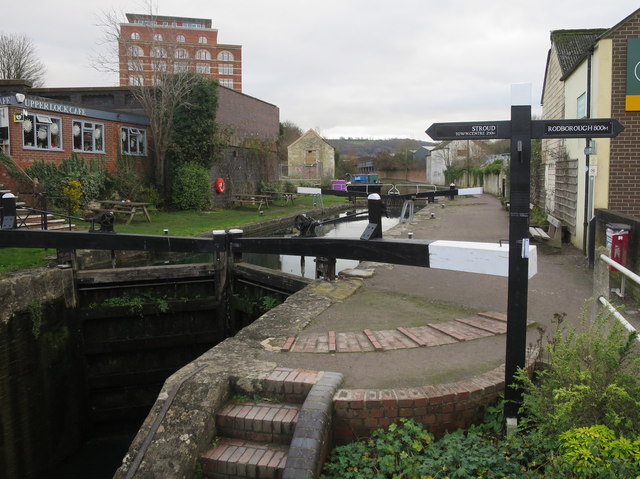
column 258, row 421
column 236, row 458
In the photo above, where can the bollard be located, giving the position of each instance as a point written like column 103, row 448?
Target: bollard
column 452, row 187
column 9, row 217
column 374, row 229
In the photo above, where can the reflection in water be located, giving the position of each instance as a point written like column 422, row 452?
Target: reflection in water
column 297, row 265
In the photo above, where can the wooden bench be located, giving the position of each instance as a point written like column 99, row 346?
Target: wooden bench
column 553, row 235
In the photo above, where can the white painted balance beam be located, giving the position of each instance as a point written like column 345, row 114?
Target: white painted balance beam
column 482, row 258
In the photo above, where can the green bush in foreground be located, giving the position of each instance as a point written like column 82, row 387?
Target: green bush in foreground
column 406, row 450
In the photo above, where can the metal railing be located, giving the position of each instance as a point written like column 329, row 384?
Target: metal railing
column 605, row 302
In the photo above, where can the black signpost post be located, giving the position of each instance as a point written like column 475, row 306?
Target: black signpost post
column 520, row 130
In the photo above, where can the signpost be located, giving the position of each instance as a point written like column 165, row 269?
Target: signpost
column 520, row 130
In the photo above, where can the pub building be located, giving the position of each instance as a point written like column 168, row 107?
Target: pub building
column 33, row 129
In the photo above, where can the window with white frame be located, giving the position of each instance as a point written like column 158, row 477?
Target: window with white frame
column 135, row 36
column 225, row 56
column 203, row 55
column 135, row 51
column 581, row 106
column 157, row 37
column 88, row 136
column 180, row 67
column 158, row 52
column 181, row 53
column 42, row 131
column 180, row 38
column 159, row 66
column 156, row 81
column 135, row 66
column 202, row 39
column 136, row 80
column 203, row 68
column 225, row 69
column 133, row 141
column 226, row 82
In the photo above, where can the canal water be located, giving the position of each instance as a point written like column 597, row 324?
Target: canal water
column 340, row 226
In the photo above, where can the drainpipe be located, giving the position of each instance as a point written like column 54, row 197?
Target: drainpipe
column 585, row 221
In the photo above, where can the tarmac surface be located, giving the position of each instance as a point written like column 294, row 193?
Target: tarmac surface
column 401, row 328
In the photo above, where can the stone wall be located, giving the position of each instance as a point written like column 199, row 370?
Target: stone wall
column 41, row 372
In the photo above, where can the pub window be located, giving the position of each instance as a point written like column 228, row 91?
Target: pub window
column 133, row 141
column 42, row 131
column 88, row 136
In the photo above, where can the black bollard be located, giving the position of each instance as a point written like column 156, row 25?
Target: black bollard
column 9, row 217
column 374, row 229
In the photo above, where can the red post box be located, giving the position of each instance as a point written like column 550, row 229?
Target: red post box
column 618, row 243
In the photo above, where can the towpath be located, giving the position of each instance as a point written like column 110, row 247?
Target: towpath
column 409, row 326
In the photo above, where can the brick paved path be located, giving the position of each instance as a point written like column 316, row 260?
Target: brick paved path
column 433, row 334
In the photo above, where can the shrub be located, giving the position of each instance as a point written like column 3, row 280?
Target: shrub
column 407, row 450
column 592, row 378
column 126, row 180
column 595, row 451
column 73, row 193
column 191, row 188
column 92, row 176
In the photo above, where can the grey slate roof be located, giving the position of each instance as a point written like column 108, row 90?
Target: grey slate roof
column 573, row 45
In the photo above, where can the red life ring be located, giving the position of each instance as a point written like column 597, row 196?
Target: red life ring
column 219, row 185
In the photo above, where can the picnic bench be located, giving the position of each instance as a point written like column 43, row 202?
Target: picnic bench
column 282, row 195
column 253, row 200
column 127, row 208
column 552, row 236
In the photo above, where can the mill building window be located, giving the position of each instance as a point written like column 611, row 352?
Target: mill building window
column 202, row 39
column 226, row 82
column 88, row 136
column 225, row 56
column 225, row 69
column 203, row 55
column 180, row 38
column 42, row 132
column 203, row 68
column 133, row 141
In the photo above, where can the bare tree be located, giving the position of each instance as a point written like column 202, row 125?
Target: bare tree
column 157, row 89
column 19, row 61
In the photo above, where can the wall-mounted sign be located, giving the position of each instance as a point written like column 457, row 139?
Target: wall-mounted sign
column 632, row 98
column 19, row 116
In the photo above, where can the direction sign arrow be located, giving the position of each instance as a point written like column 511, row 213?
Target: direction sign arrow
column 468, row 130
column 585, row 128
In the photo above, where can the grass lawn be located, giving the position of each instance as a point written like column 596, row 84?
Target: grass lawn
column 179, row 223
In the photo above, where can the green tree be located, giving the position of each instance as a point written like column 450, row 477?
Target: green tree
column 194, row 136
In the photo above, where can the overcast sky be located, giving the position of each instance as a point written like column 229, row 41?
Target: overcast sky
column 349, row 68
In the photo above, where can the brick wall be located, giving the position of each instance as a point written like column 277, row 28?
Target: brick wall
column 624, row 170
column 247, row 117
column 441, row 408
column 24, row 158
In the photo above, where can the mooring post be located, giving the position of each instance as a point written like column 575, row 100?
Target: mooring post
column 9, row 218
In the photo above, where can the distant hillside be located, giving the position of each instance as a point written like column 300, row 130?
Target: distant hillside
column 354, row 147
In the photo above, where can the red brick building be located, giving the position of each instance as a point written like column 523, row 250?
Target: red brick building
column 151, row 45
column 34, row 128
